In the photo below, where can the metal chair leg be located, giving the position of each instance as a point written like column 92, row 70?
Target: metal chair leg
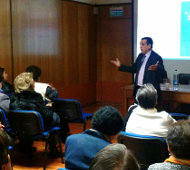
column 45, row 154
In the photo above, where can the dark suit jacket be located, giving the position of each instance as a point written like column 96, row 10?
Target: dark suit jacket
column 153, row 77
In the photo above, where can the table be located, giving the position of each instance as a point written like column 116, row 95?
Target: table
column 182, row 95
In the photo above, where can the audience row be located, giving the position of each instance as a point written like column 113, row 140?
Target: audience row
column 92, row 149
column 31, row 95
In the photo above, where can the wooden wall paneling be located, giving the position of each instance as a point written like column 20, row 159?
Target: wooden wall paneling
column 59, row 37
column 83, row 51
column 92, row 45
column 5, row 37
column 78, row 49
column 115, row 41
column 55, row 71
column 70, row 43
column 36, row 31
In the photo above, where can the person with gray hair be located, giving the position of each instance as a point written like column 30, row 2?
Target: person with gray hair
column 80, row 149
column 114, row 156
column 178, row 141
column 145, row 119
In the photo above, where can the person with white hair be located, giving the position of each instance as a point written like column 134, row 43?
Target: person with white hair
column 145, row 119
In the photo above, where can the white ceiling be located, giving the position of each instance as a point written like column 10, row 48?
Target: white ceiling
column 99, row 2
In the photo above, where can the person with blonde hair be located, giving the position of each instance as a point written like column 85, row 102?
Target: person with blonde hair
column 114, row 157
column 25, row 98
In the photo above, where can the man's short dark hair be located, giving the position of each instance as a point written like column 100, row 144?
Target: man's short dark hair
column 107, row 120
column 178, row 139
column 147, row 96
column 1, row 73
column 4, row 144
column 148, row 41
column 35, row 70
column 114, row 156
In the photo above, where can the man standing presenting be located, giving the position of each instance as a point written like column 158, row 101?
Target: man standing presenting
column 148, row 67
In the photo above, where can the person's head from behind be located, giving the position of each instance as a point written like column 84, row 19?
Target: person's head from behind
column 146, row 96
column 108, row 121
column 35, row 70
column 3, row 75
column 146, row 44
column 24, row 82
column 114, row 157
column 178, row 139
column 5, row 162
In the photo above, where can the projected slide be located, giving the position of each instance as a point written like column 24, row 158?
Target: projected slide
column 185, row 29
column 168, row 23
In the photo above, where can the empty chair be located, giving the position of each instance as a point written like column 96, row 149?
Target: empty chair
column 30, row 126
column 72, row 109
column 147, row 149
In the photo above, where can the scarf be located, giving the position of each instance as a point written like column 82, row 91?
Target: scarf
column 178, row 161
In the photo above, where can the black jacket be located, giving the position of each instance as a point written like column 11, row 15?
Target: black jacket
column 30, row 100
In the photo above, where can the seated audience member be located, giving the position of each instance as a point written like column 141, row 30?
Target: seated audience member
column 4, row 99
column 6, row 87
column 178, row 141
column 5, row 160
column 25, row 98
column 80, row 149
column 46, row 90
column 48, row 93
column 114, row 157
column 145, row 119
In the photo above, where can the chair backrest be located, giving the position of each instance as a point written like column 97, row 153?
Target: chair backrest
column 3, row 117
column 27, row 123
column 4, row 121
column 178, row 116
column 147, row 149
column 184, row 78
column 70, row 107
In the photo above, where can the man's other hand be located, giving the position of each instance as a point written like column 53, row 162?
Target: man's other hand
column 153, row 67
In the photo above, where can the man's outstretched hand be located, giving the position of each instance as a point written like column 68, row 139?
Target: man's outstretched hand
column 116, row 62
